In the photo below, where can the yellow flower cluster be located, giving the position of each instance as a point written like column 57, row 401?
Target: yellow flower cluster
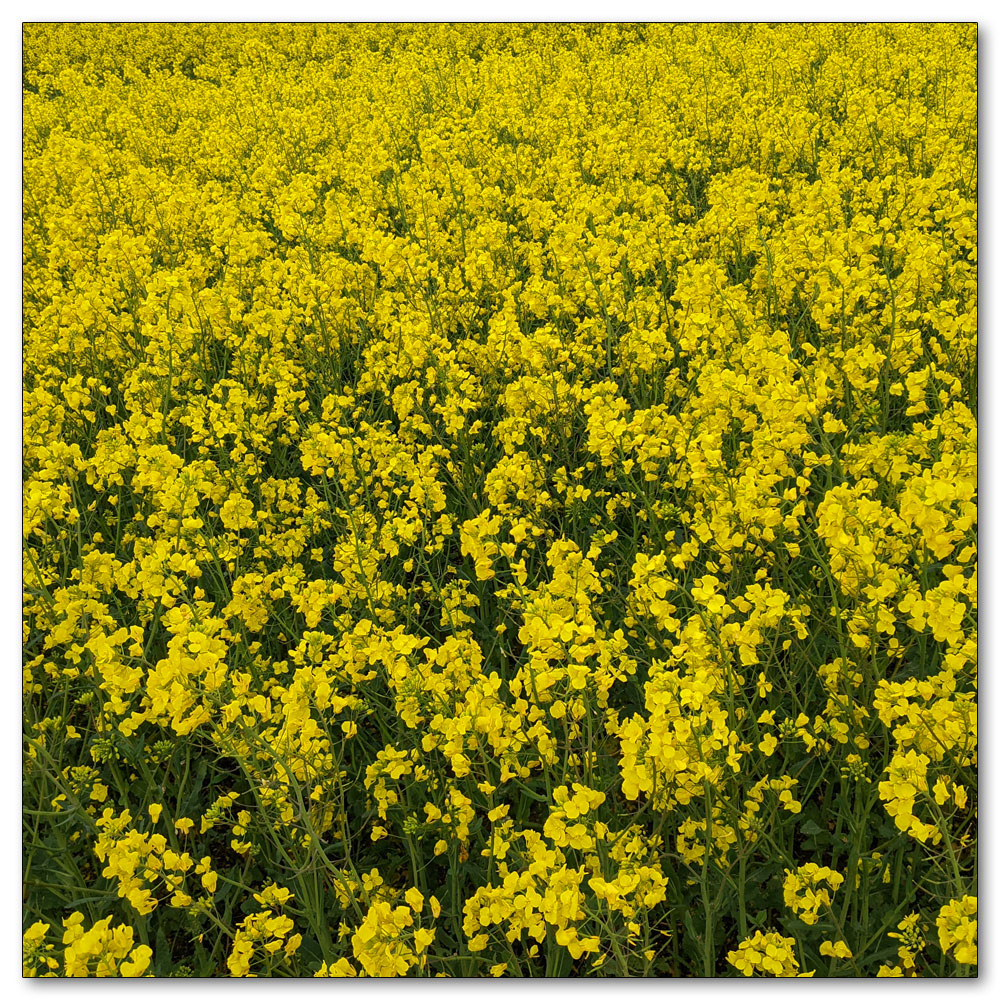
column 262, row 937
column 101, row 951
column 805, row 891
column 499, row 499
column 144, row 865
column 765, row 955
column 36, row 952
column 385, row 945
column 958, row 929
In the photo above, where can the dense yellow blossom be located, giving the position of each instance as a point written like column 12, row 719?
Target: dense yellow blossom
column 958, row 928
column 808, row 890
column 765, row 955
column 500, row 500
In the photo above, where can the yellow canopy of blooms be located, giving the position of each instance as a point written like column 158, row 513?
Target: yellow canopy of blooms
column 500, row 499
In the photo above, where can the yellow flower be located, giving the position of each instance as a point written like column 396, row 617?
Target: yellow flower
column 835, row 949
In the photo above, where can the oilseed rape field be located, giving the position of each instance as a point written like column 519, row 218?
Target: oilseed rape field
column 500, row 500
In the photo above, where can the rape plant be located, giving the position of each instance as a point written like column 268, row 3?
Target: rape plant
column 500, row 500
